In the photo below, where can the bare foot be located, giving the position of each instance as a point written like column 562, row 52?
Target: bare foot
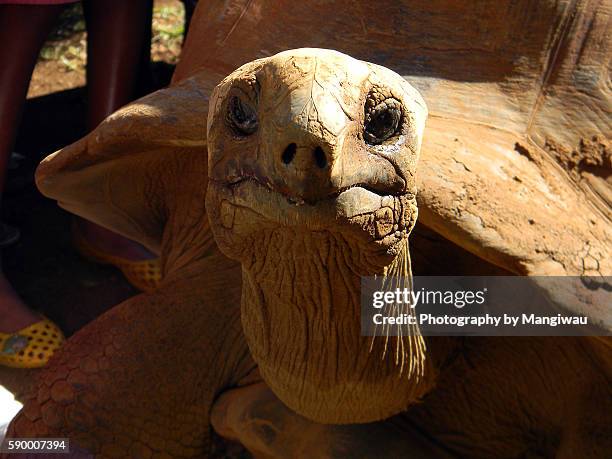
column 14, row 314
column 113, row 243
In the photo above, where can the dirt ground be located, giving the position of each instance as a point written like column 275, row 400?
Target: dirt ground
column 63, row 58
column 43, row 266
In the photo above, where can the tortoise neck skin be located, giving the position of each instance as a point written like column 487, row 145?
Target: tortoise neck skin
column 187, row 241
column 300, row 314
column 312, row 158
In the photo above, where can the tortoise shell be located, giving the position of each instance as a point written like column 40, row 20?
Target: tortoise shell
column 515, row 163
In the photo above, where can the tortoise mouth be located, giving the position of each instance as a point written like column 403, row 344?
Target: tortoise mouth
column 356, row 210
column 297, row 200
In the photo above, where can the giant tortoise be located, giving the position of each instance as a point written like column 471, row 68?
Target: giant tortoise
column 301, row 154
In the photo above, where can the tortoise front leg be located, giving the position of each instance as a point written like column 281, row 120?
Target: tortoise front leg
column 140, row 380
column 255, row 417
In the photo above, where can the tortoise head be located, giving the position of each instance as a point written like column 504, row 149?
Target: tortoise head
column 312, row 158
column 313, row 141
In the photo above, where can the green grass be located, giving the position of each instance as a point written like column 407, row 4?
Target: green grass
column 67, row 43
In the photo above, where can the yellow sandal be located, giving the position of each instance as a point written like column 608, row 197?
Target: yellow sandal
column 145, row 275
column 32, row 346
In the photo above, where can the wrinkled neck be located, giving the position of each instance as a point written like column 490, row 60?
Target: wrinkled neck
column 301, row 317
column 187, row 238
column 304, row 273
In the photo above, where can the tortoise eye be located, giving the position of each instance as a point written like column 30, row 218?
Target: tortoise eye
column 382, row 121
column 242, row 116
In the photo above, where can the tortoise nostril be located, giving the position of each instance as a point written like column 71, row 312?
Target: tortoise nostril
column 320, row 158
column 289, row 153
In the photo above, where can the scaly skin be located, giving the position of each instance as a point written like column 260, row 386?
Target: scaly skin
column 141, row 379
